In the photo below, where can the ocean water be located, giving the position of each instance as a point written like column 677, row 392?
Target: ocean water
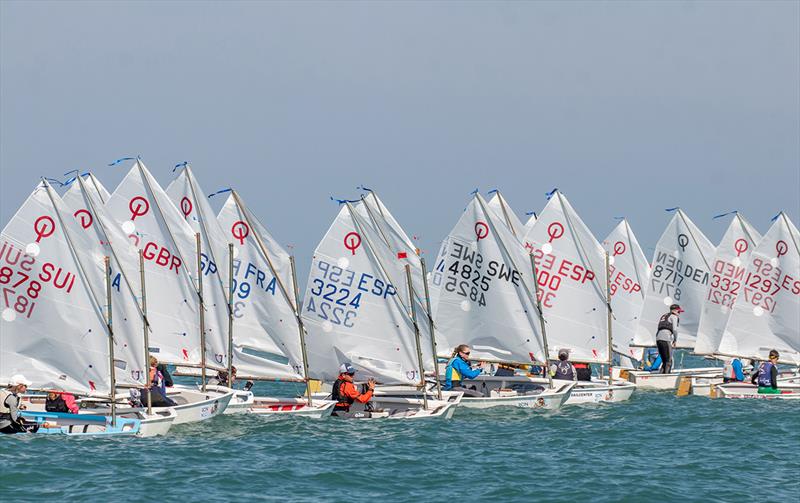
column 656, row 447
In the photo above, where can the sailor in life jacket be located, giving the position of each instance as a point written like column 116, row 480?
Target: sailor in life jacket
column 563, row 369
column 10, row 420
column 345, row 392
column 459, row 368
column 652, row 360
column 767, row 374
column 733, row 371
column 59, row 401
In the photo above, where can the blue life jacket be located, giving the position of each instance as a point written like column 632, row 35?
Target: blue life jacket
column 765, row 374
column 457, row 370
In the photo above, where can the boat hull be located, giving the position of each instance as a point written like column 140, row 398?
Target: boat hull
column 788, row 391
column 195, row 405
column 650, row 381
column 595, row 392
column 90, row 425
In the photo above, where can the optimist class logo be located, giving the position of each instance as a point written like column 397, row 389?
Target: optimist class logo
column 740, row 246
column 186, row 207
column 352, row 241
column 619, row 248
column 683, row 241
column 481, row 230
column 43, row 227
column 240, row 230
column 85, row 218
column 555, row 231
column 138, row 206
column 781, row 248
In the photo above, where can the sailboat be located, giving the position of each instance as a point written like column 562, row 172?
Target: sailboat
column 628, row 274
column 500, row 206
column 170, row 250
column 766, row 312
column 55, row 327
column 488, row 300
column 266, row 316
column 356, row 310
column 730, row 264
column 576, row 290
column 681, row 272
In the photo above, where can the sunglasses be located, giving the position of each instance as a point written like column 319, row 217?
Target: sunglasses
column 466, row 353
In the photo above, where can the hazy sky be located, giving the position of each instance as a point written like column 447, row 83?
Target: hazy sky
column 628, row 108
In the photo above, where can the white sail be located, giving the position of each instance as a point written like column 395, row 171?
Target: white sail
column 629, row 273
column 727, row 278
column 506, row 215
column 353, row 308
column 401, row 251
column 187, row 195
column 99, row 237
column 680, row 274
column 766, row 314
column 153, row 224
column 487, row 299
column 530, row 223
column 571, row 274
column 72, row 197
column 52, row 329
column 264, row 304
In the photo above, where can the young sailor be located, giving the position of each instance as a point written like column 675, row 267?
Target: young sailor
column 345, row 392
column 733, row 371
column 652, row 360
column 563, row 369
column 583, row 371
column 59, row 401
column 10, row 420
column 459, row 368
column 158, row 387
column 666, row 338
column 767, row 375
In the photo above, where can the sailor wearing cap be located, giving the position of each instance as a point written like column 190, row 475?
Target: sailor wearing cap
column 10, row 420
column 667, row 337
column 345, row 392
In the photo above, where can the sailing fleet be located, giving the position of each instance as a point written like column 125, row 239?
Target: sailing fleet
column 96, row 283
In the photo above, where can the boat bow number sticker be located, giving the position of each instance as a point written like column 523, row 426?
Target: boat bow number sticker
column 740, row 246
column 45, row 227
column 683, row 241
column 352, row 241
column 84, row 218
column 619, row 248
column 240, row 230
column 481, row 230
column 186, row 207
column 138, row 206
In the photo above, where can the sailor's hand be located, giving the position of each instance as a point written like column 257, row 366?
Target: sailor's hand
column 22, row 406
column 674, row 345
column 481, row 365
column 371, row 384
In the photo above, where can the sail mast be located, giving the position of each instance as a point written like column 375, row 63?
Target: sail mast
column 110, row 327
column 416, row 336
column 145, row 328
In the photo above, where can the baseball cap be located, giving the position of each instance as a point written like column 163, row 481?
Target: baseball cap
column 676, row 306
column 18, row 379
column 346, row 368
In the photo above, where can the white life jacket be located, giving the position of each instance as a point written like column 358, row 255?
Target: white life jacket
column 4, row 393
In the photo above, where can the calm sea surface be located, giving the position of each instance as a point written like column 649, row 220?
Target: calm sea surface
column 656, row 447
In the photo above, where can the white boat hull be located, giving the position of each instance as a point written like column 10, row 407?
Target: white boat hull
column 245, row 402
column 401, row 403
column 195, row 405
column 788, row 391
column 651, row 381
column 156, row 424
column 599, row 391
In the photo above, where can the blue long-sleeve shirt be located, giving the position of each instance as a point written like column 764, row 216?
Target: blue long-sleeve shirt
column 458, row 370
column 654, row 364
column 737, row 369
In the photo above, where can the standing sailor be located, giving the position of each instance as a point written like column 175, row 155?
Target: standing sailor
column 767, row 375
column 666, row 337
